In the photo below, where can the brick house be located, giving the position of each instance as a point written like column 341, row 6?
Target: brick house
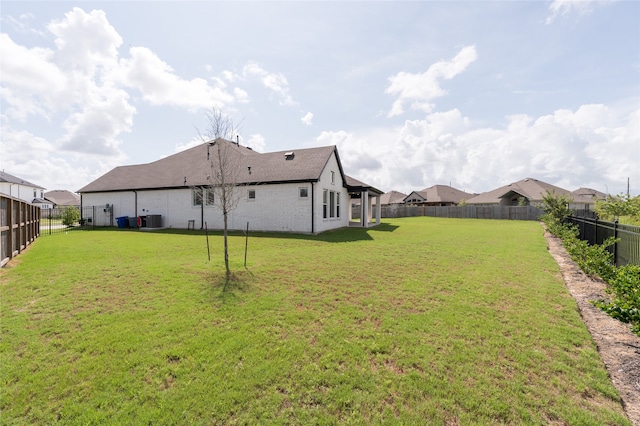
column 303, row 191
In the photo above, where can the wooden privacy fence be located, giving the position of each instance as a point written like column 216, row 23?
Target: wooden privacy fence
column 626, row 251
column 19, row 226
column 468, row 212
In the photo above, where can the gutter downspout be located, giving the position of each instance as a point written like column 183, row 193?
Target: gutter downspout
column 135, row 203
column 313, row 210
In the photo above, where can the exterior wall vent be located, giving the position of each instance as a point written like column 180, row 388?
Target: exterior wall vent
column 289, row 155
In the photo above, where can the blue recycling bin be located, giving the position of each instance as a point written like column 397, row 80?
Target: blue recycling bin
column 123, row 221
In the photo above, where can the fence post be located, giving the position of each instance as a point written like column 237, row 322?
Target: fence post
column 615, row 244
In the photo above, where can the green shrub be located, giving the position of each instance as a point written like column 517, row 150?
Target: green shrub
column 70, row 215
column 623, row 283
column 556, row 207
column 594, row 260
column 624, row 288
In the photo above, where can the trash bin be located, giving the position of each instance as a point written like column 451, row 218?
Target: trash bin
column 133, row 222
column 123, row 221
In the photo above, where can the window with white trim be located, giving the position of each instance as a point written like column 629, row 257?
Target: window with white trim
column 332, row 203
column 333, row 177
column 196, row 196
column 209, row 196
column 303, row 192
column 252, row 194
column 337, row 204
column 325, row 196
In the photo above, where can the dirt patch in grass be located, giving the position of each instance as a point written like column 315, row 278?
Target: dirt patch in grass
column 619, row 348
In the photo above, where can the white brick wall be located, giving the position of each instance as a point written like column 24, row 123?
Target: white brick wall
column 275, row 208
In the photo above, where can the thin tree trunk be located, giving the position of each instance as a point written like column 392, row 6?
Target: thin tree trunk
column 226, row 247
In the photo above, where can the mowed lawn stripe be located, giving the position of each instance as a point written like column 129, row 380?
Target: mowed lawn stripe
column 420, row 320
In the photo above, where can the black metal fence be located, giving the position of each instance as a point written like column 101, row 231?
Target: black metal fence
column 19, row 226
column 468, row 211
column 625, row 251
column 60, row 219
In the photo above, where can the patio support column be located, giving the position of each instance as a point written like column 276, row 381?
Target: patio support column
column 364, row 202
column 370, row 209
column 378, row 209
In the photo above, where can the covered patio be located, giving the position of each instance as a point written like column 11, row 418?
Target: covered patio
column 368, row 213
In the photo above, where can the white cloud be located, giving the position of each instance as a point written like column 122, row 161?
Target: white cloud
column 559, row 8
column 159, row 84
column 31, row 82
column 307, row 119
column 241, row 95
column 565, row 148
column 39, row 161
column 95, row 129
column 277, row 83
column 422, row 89
column 21, row 24
column 85, row 41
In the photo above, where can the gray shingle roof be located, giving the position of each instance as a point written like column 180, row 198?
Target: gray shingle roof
column 533, row 189
column 443, row 194
column 191, row 168
column 9, row 178
column 392, row 197
column 61, row 197
column 590, row 193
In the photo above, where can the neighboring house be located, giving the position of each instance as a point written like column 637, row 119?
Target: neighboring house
column 589, row 193
column 302, row 190
column 437, row 195
column 528, row 191
column 16, row 187
column 62, row 198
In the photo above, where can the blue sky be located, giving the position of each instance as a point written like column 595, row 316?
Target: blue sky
column 472, row 94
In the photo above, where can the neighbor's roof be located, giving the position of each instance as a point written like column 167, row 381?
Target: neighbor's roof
column 62, row 197
column 392, row 197
column 533, row 189
column 590, row 193
column 192, row 168
column 6, row 177
column 442, row 194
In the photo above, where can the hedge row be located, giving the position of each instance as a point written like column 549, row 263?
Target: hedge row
column 623, row 283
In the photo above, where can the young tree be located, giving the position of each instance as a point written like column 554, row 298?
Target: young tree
column 556, row 206
column 223, row 164
column 616, row 206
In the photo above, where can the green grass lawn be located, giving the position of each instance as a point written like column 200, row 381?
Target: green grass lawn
column 420, row 320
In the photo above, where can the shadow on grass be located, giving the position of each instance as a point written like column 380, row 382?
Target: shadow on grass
column 341, row 235
column 226, row 286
